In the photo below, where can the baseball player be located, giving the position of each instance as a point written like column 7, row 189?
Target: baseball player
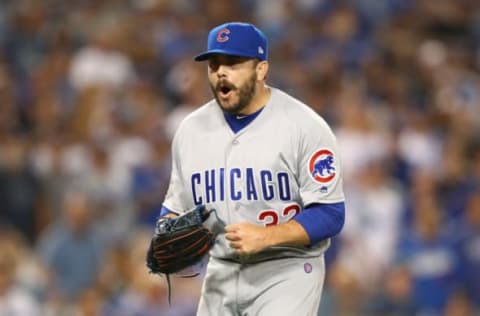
column 270, row 167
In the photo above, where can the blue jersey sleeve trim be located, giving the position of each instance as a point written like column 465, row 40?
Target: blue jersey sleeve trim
column 164, row 211
column 322, row 221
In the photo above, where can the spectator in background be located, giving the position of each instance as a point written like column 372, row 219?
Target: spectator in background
column 19, row 187
column 114, row 275
column 429, row 255
column 72, row 250
column 90, row 303
column 15, row 299
column 467, row 234
column 343, row 295
column 420, row 134
column 374, row 226
column 454, row 184
column 360, row 134
column 150, row 180
column 460, row 304
column 100, row 63
column 394, row 297
column 186, row 82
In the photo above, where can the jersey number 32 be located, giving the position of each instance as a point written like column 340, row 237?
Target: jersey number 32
column 273, row 217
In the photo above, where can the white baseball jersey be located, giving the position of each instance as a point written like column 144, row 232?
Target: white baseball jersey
column 284, row 160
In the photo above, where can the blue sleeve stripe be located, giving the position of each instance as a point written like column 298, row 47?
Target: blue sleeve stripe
column 164, row 211
column 322, row 221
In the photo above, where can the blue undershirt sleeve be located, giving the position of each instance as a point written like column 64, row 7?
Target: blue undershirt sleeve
column 164, row 211
column 322, row 221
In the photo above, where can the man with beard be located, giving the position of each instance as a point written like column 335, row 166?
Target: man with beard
column 269, row 165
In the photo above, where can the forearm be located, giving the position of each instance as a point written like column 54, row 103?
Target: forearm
column 248, row 238
column 290, row 233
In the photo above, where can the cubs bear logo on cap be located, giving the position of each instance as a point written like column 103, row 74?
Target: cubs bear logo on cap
column 236, row 39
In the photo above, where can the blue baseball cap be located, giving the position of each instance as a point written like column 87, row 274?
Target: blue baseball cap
column 237, row 39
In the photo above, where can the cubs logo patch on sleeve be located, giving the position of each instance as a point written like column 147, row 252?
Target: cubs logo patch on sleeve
column 321, row 166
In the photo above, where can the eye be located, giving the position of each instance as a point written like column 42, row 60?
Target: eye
column 213, row 65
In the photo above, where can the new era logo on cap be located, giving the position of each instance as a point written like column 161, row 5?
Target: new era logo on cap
column 237, row 39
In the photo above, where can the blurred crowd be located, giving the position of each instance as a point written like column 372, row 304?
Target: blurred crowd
column 91, row 93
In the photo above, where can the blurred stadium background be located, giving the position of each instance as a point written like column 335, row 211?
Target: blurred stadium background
column 92, row 91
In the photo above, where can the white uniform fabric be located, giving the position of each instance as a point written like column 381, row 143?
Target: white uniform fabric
column 284, row 160
column 280, row 287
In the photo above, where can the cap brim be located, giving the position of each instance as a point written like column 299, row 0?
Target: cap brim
column 206, row 55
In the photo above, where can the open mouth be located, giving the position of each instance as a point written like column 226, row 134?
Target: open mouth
column 225, row 89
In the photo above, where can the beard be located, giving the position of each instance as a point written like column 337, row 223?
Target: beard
column 245, row 94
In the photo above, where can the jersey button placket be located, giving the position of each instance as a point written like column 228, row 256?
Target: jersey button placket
column 235, row 141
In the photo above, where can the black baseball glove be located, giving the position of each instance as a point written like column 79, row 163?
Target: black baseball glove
column 179, row 242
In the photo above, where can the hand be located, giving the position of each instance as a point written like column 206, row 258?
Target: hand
column 247, row 238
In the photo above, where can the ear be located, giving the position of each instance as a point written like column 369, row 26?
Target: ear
column 262, row 70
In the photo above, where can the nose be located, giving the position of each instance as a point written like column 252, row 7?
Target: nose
column 222, row 71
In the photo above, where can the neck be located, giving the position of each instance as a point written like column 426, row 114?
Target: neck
column 259, row 100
